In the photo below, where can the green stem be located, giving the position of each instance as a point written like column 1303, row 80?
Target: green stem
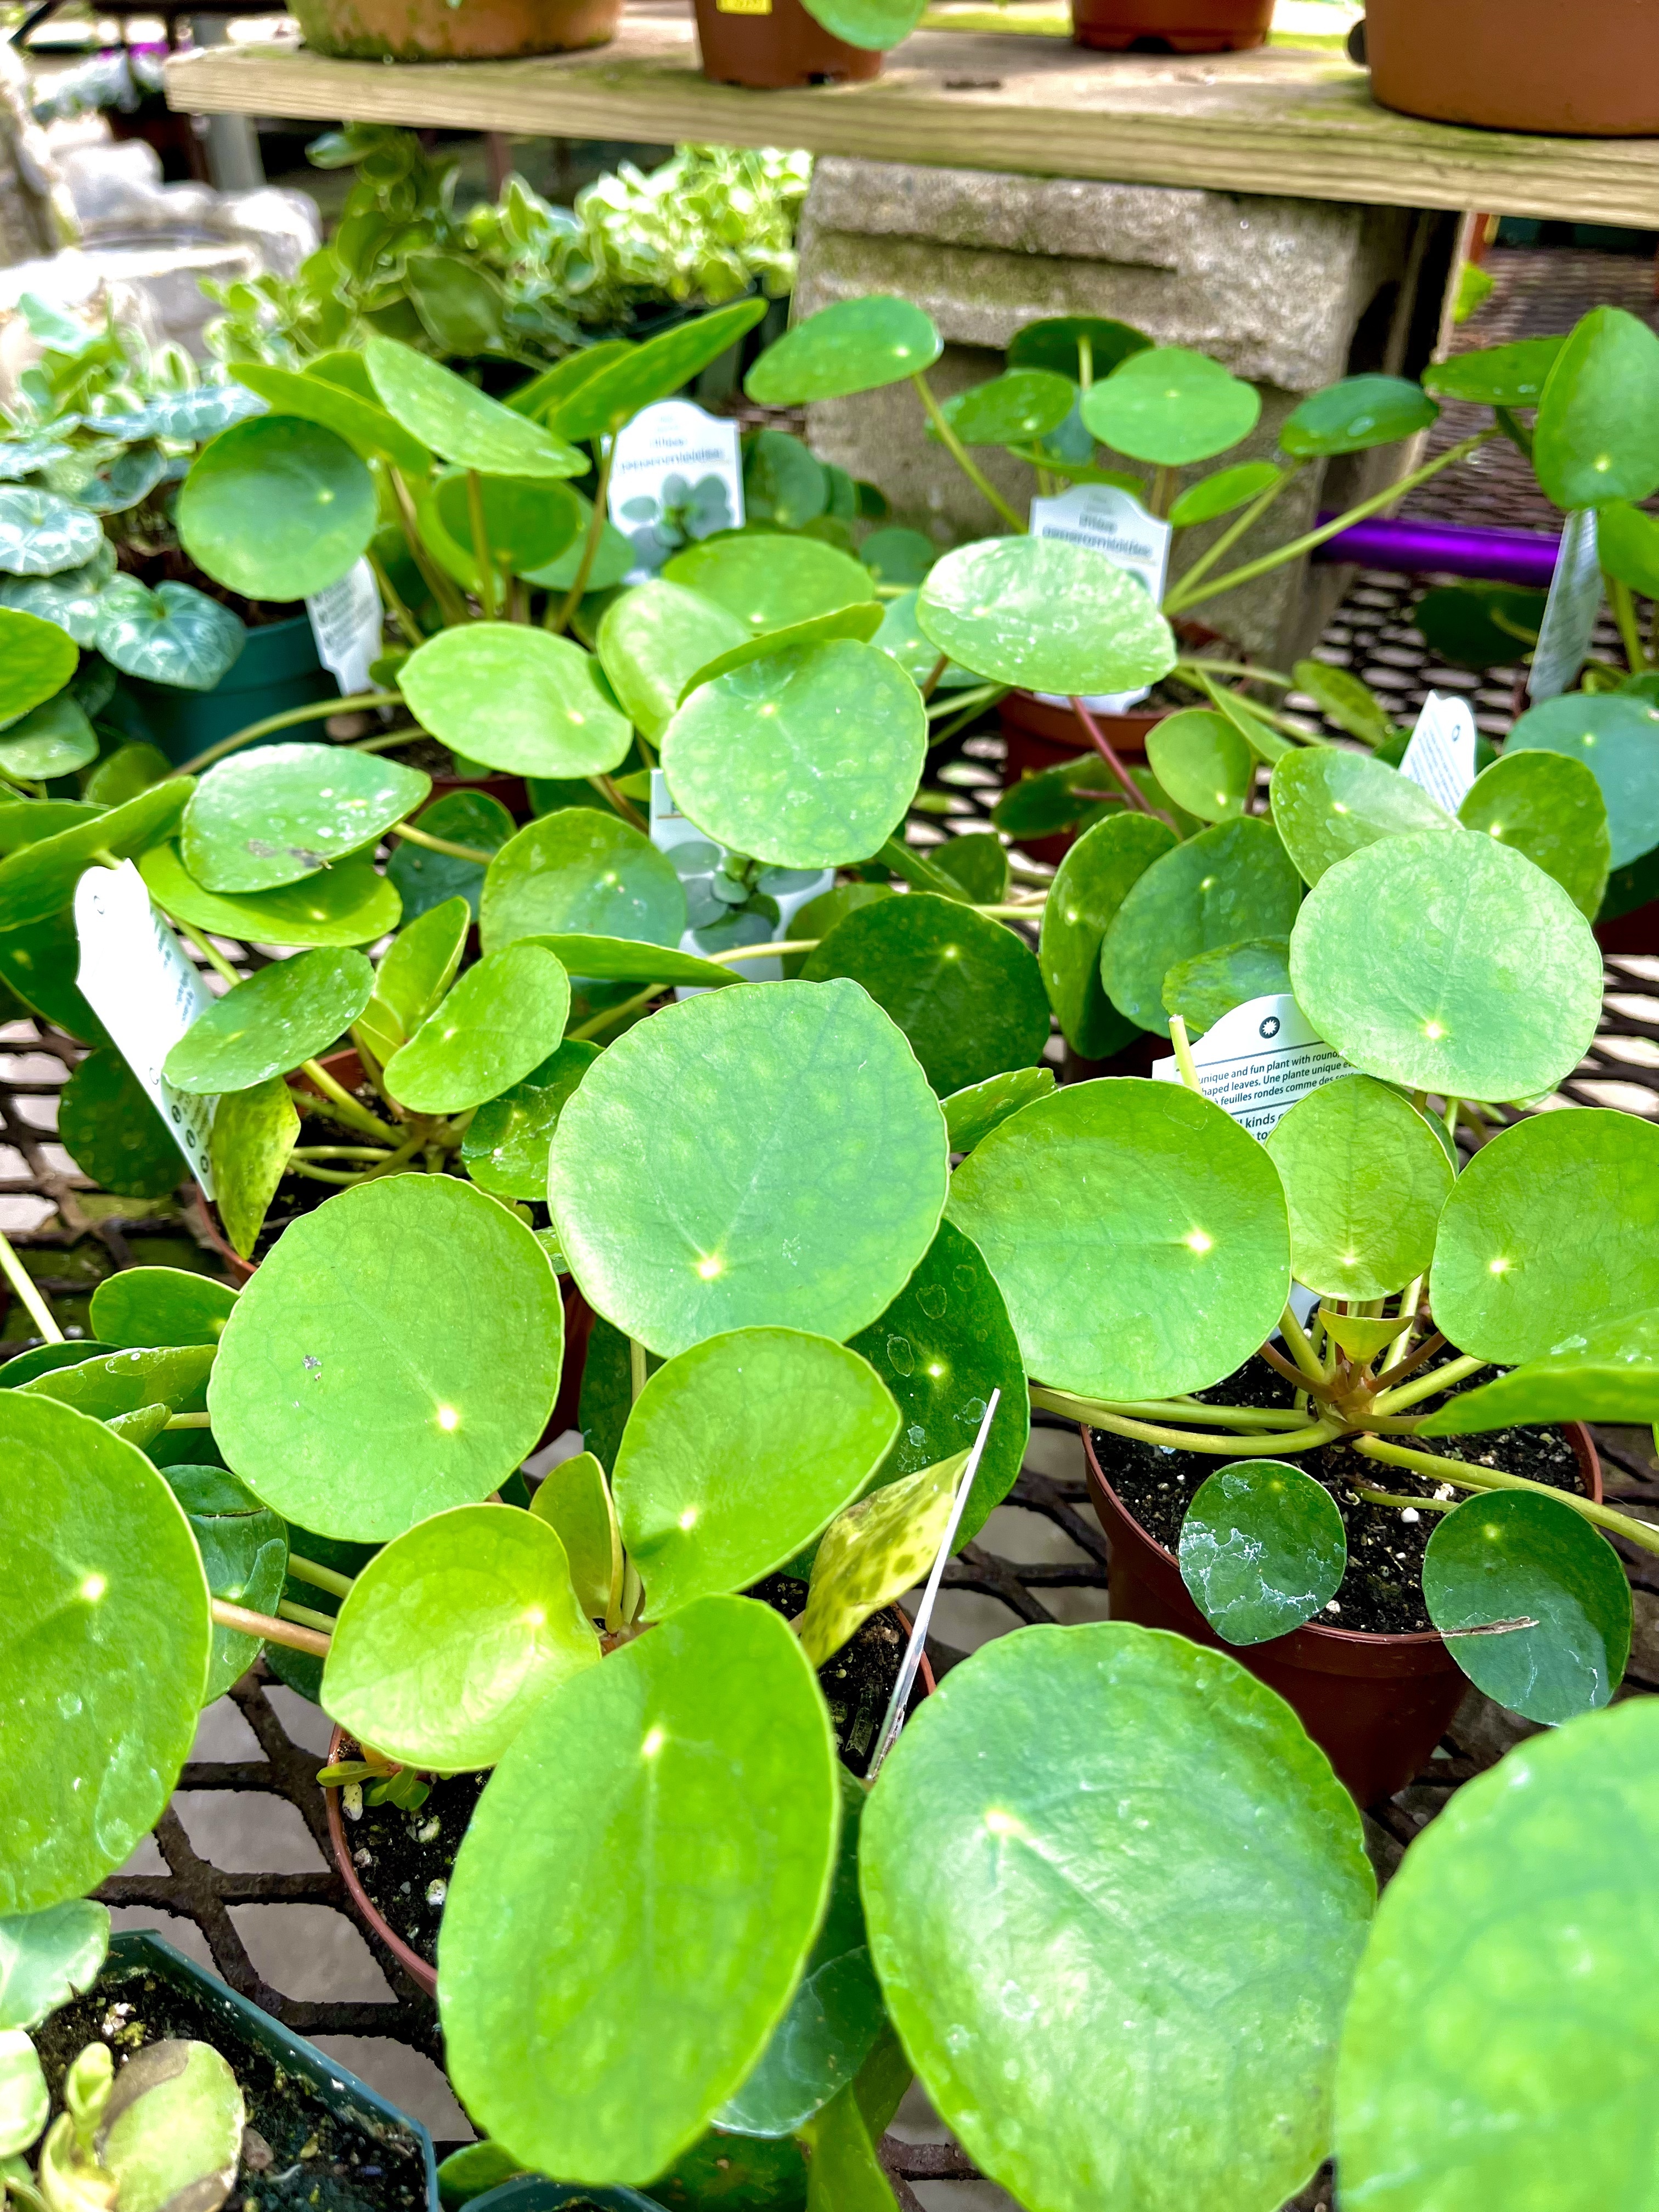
column 481, row 560
column 573, row 598
column 319, row 710
column 1426, row 1386
column 209, row 953
column 1623, row 613
column 23, row 1283
column 191, row 1421
column 1200, row 665
column 1301, row 1350
column 1025, row 911
column 341, row 1152
column 392, row 598
column 637, row 1374
column 343, row 1176
column 1398, row 1498
column 1242, row 1418
column 319, row 1578
column 933, row 675
column 453, row 605
column 1161, row 498
column 343, row 1106
column 1183, row 1053
column 1228, row 538
column 981, row 696
column 740, row 952
column 1433, row 1469
column 307, row 1616
column 958, row 453
column 970, row 705
column 606, row 785
column 442, row 844
column 601, row 1022
column 920, row 873
column 1093, row 1414
column 248, row 1623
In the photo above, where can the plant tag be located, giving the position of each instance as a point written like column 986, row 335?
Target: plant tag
column 676, row 475
column 728, row 900
column 1440, row 758
column 742, row 6
column 1574, row 601
column 1258, row 1060
column 1113, row 522
column 345, row 621
column 139, row 983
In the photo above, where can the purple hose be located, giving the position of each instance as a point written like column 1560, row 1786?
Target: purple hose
column 1455, row 549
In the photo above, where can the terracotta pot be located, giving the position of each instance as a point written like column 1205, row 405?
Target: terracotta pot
column 1560, row 66
column 1177, row 27
column 772, row 45
column 442, row 31
column 511, row 791
column 411, row 1961
column 1377, row 1705
column 1038, row 737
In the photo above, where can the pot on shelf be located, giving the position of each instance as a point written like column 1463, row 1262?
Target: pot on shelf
column 278, row 669
column 1178, row 26
column 444, row 31
column 1518, row 65
column 1376, row 1705
column 770, row 46
column 1038, row 735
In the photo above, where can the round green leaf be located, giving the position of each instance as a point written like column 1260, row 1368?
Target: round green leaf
column 160, row 1305
column 1608, row 1371
column 419, row 967
column 36, row 659
column 1168, row 1893
column 528, row 523
column 650, row 643
column 876, row 24
column 609, row 566
column 41, row 535
column 783, row 481
column 1346, row 700
column 1495, row 376
column 857, row 345
column 1171, row 406
column 684, row 1217
column 624, row 960
column 1327, row 803
column 575, row 1500
column 1166, row 1285
column 941, row 1347
column 253, row 1133
column 900, row 636
column 426, row 880
column 244, row 1548
column 881, row 1547
column 1200, row 990
column 55, row 739
column 1229, row 883
column 1549, row 806
column 47, row 1958
column 368, row 429
column 1449, row 964
column 277, row 508
column 1047, row 614
column 898, row 556
column 516, row 699
column 506, row 1146
column 1262, row 1547
column 1616, row 735
column 1227, row 490
column 458, row 421
column 693, row 1902
column 124, row 772
column 1479, row 625
column 1596, row 438
column 764, row 759
column 663, row 364
column 1092, row 881
column 1360, row 412
column 771, row 582
column 1023, row 403
column 971, row 1115
column 1202, row 762
column 115, row 1382
column 738, row 1453
column 357, row 1399
column 112, row 1131
column 107, row 1631
column 503, row 1018
column 174, row 634
column 1056, row 342
column 1364, row 1179
column 964, row 990
column 1500, row 2036
column 861, row 622
column 1552, row 1229
column 580, row 873
column 1514, row 1557
column 452, row 1635
column 286, row 1013
column 278, row 813
column 38, row 879
column 1627, row 541
column 348, row 903
column 979, row 862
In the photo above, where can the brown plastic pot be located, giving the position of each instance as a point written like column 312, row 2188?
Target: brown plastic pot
column 1581, row 69
column 771, row 45
column 1037, row 736
column 1377, row 1705
column 1178, row 26
column 1635, row 932
column 442, row 31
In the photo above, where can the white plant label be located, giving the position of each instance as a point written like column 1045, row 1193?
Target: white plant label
column 676, row 475
column 1440, row 758
column 1574, row 600
column 1258, row 1060
column 1113, row 522
column 138, row 981
column 345, row 621
column 789, row 889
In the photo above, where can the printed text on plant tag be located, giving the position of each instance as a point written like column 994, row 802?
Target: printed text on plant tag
column 1569, row 612
column 1258, row 1060
column 676, row 475
column 1440, row 758
column 345, row 621
column 1113, row 522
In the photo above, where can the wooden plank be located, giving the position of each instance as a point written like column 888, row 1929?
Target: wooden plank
column 1279, row 121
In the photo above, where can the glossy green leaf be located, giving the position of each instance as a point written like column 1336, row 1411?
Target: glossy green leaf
column 278, row 813
column 1169, row 1287
column 1057, row 343
column 41, row 535
column 971, row 1115
column 1479, row 625
column 1264, row 741
column 426, row 880
column 356, row 1400
column 160, row 1305
column 1511, row 1557
column 738, row 1452
column 174, row 634
column 1200, row 990
column 52, row 740
column 38, row 879
column 108, row 1632
column 1327, row 803
column 1092, row 881
column 38, row 658
column 24, row 1366
column 1596, row 436
column 123, row 1382
column 1616, row 735
column 280, row 1016
column 1552, row 1229
column 603, row 403
column 1488, row 2057
column 1021, row 403
column 1168, row 1893
column 771, row 582
column 901, row 636
column 29, row 821
column 452, row 1635
column 1171, row 406
column 458, row 421
column 683, row 1218
column 966, row 992
column 516, row 699
column 244, row 1548
column 24, row 2100
column 879, row 1547
column 694, row 1901
column 1549, row 806
column 1046, row 614
column 277, row 507
column 861, row 622
column 1495, row 376
column 1229, row 883
column 898, row 556
column 47, row 1958
column 1449, row 964
column 502, row 1019
column 506, row 1146
column 1608, row 1371
column 419, row 967
column 631, row 960
column 1202, row 762
column 979, row 862
column 349, row 903
column 253, row 1132
column 1364, row 1179
column 762, row 759
column 783, row 481
column 874, row 24
column 651, row 640
column 580, row 872
column 1263, row 1548
column 1213, row 496
column 112, row 1131
column 172, row 2131
column 1346, row 700
column 857, row 345
column 1359, row 412
column 367, row 427
column 575, row 1500
column 528, row 523
column 1627, row 542
column 612, row 562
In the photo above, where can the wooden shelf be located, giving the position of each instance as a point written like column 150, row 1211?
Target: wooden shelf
column 1280, row 120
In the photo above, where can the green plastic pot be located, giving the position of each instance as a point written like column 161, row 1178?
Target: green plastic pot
column 529, row 2193
column 278, row 669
